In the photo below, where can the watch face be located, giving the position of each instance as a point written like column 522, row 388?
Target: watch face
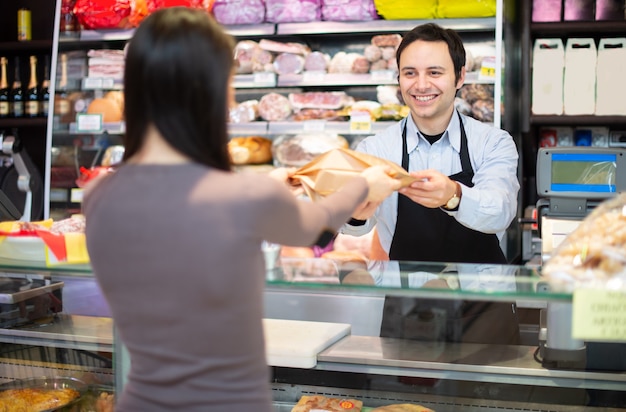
column 453, row 202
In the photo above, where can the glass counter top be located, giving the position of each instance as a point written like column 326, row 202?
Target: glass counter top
column 426, row 279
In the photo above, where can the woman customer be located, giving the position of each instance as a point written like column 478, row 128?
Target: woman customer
column 174, row 236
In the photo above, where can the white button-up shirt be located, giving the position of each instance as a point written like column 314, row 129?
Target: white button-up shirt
column 489, row 206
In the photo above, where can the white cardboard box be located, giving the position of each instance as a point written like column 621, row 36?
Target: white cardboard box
column 579, row 82
column 611, row 84
column 547, row 76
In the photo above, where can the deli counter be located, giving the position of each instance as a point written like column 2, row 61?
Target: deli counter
column 327, row 332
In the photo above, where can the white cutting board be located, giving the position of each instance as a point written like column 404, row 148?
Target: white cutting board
column 296, row 343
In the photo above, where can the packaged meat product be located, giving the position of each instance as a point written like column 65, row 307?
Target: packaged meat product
column 349, row 10
column 292, row 11
column 250, row 57
column 342, row 62
column 288, row 63
column 140, row 9
column 284, row 47
column 316, row 61
column 298, row 150
column 318, row 100
column 239, row 11
column 103, row 14
column 387, row 40
column 274, row 107
column 372, row 53
column 244, row 112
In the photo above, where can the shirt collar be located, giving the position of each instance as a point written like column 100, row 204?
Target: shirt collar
column 452, row 132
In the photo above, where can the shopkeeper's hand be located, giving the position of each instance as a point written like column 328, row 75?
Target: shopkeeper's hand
column 431, row 188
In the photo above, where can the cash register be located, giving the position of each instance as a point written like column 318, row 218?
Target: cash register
column 571, row 182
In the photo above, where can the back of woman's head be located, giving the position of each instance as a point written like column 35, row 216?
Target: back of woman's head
column 176, row 77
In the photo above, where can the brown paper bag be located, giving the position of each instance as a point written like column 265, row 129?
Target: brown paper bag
column 330, row 171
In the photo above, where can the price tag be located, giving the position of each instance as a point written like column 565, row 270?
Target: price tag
column 89, row 122
column 599, row 315
column 264, row 77
column 108, row 83
column 313, row 76
column 360, row 122
column 76, row 195
column 488, row 68
column 314, row 125
column 384, row 75
column 92, row 83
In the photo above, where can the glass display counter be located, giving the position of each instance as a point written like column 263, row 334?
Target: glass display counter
column 437, row 364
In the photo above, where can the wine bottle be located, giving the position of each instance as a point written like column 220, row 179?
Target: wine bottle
column 17, row 95
column 31, row 108
column 44, row 94
column 61, row 102
column 4, row 90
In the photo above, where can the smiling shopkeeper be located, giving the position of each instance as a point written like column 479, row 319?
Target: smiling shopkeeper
column 466, row 191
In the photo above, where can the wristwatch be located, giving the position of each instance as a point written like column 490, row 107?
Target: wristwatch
column 453, row 203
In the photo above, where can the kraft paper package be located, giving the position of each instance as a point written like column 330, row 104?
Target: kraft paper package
column 330, row 171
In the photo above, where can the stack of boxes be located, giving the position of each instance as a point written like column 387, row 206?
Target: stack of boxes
column 576, row 76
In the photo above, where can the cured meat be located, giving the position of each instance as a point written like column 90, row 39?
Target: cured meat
column 386, row 40
column 298, row 150
column 250, row 57
column 318, row 100
column 372, row 53
column 244, row 112
column 279, row 47
column 360, row 65
column 288, row 63
column 293, row 11
column 316, row 61
column 349, row 10
column 239, row 11
column 274, row 107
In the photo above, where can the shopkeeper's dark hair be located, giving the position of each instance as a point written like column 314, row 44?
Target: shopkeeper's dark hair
column 176, row 77
column 434, row 32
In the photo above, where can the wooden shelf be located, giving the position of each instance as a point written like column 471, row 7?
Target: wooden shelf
column 23, row 122
column 20, row 46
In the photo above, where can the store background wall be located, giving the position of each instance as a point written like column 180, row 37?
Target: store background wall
column 31, row 131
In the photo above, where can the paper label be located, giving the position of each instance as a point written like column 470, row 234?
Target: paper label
column 313, row 76
column 599, row 315
column 360, row 122
column 488, row 68
column 314, row 125
column 89, row 122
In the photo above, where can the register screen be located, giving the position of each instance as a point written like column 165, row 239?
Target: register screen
column 583, row 172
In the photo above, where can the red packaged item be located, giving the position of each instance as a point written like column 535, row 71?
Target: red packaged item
column 140, row 9
column 103, row 14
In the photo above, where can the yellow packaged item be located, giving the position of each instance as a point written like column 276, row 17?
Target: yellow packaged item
column 406, row 9
column 452, row 9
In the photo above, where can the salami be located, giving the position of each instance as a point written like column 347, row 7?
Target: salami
column 274, row 107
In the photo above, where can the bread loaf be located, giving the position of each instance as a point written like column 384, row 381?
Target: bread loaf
column 250, row 150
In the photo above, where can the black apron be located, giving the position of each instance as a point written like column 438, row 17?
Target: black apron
column 431, row 235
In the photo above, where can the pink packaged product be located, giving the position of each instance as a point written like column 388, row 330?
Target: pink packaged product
column 578, row 10
column 547, row 10
column 349, row 10
column 292, row 11
column 239, row 11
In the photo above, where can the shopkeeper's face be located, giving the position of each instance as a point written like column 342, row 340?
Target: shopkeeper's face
column 428, row 84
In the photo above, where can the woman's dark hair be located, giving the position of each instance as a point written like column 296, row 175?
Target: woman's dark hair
column 176, row 77
column 434, row 32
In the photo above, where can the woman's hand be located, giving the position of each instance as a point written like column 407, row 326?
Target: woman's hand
column 381, row 184
column 282, row 174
